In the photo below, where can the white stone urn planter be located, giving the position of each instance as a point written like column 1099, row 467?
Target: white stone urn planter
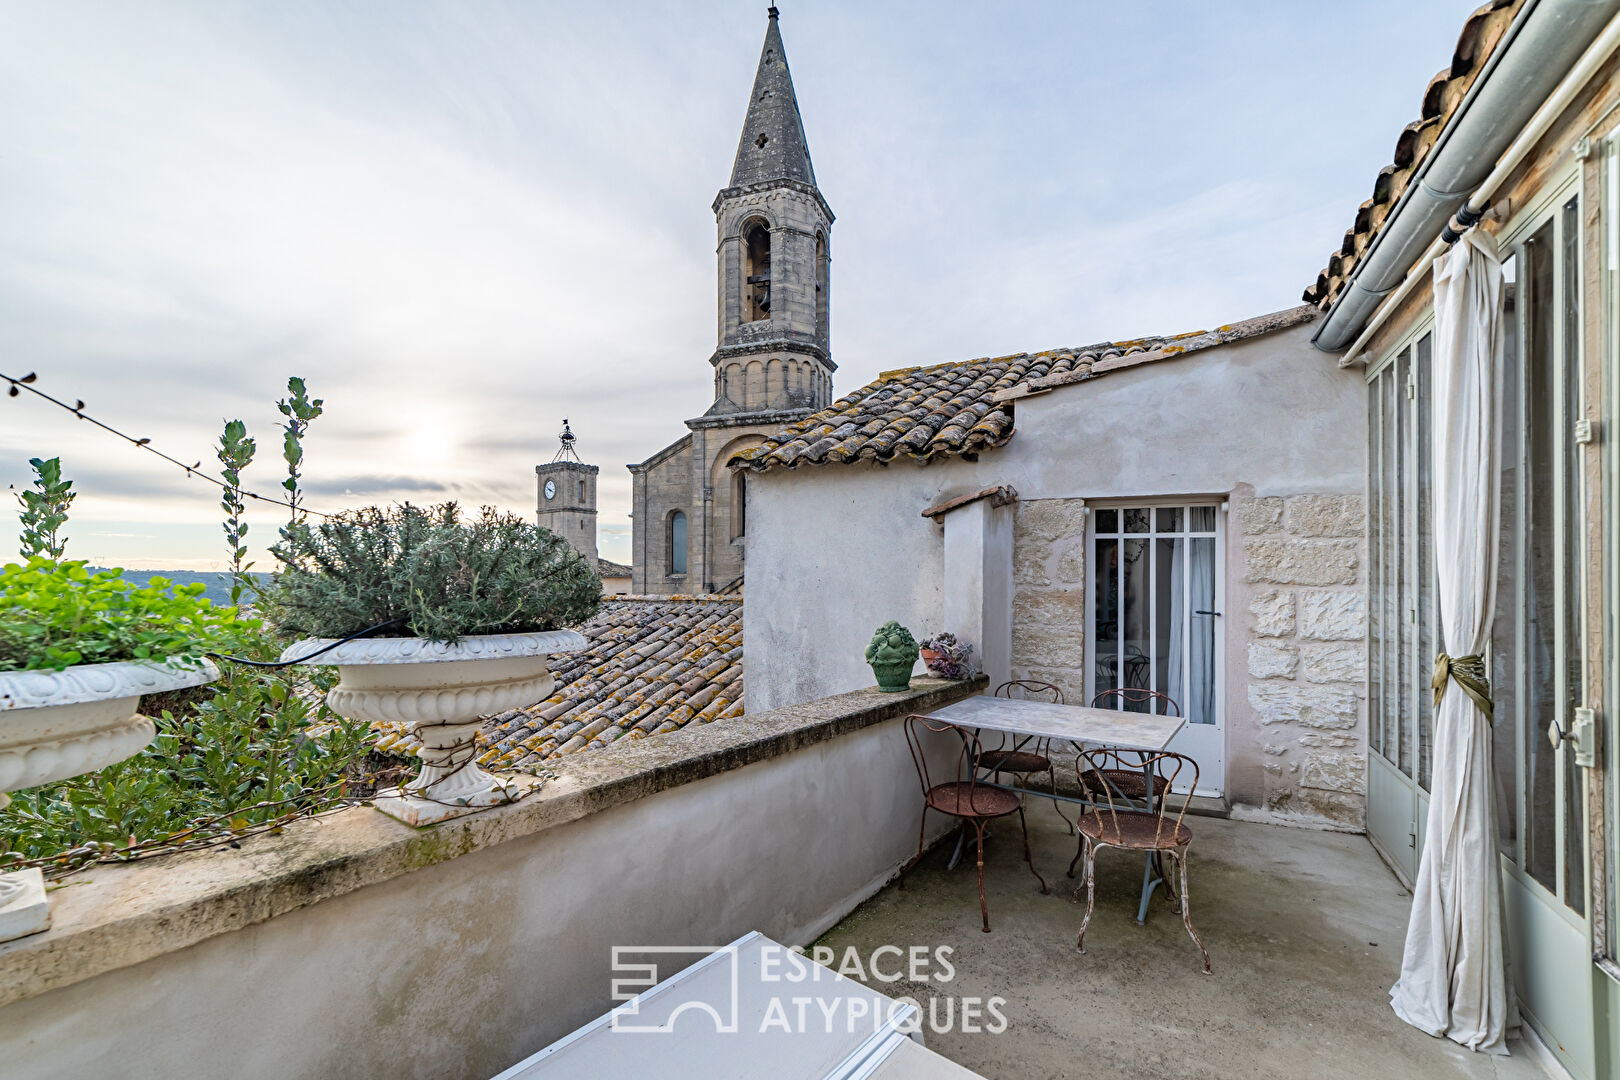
column 57, row 724
column 440, row 691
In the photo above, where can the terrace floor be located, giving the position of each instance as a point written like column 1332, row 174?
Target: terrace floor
column 1304, row 931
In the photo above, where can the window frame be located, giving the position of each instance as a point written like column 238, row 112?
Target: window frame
column 1221, row 504
column 670, row 568
column 1604, row 823
column 1547, row 208
column 1415, row 614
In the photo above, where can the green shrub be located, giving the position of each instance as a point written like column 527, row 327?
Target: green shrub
column 236, row 761
column 54, row 614
column 440, row 577
column 44, row 509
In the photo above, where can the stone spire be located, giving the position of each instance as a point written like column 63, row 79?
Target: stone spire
column 773, row 146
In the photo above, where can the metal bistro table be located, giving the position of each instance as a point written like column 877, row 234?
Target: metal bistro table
column 1076, row 725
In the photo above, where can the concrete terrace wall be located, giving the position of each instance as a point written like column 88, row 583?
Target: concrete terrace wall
column 357, row 947
column 1269, row 425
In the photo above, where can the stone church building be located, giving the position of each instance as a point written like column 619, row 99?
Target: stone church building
column 773, row 363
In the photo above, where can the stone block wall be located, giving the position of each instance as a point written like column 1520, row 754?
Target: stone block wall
column 1296, row 625
column 1303, row 562
column 1049, row 594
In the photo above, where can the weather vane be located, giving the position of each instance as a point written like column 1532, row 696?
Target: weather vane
column 566, row 452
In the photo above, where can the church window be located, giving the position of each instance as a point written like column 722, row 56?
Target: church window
column 821, row 286
column 739, row 504
column 582, row 491
column 757, row 287
column 762, row 140
column 677, row 542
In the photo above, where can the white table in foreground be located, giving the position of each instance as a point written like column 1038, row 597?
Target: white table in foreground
column 1075, row 723
column 722, row 1025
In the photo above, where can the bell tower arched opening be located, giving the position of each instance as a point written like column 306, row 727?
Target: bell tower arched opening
column 756, row 235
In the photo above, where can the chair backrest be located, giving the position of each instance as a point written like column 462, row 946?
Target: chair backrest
column 1092, row 766
column 918, row 729
column 1027, row 688
column 1123, row 697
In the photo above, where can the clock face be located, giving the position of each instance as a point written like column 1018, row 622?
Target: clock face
column 551, row 489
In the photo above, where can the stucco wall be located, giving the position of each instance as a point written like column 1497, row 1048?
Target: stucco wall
column 462, row 968
column 1267, row 419
column 833, row 554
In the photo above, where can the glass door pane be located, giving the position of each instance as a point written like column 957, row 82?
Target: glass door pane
column 1424, row 528
column 1573, row 823
column 1505, row 729
column 1540, row 569
column 1404, row 600
column 1105, row 609
column 1390, row 601
column 1200, row 694
column 1375, row 568
column 1154, row 615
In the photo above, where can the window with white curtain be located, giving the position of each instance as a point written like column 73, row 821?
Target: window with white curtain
column 1153, row 605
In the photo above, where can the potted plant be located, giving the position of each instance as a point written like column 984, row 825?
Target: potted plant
column 78, row 649
column 892, row 654
column 947, row 657
column 465, row 615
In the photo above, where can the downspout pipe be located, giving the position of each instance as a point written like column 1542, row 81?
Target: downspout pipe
column 1548, row 39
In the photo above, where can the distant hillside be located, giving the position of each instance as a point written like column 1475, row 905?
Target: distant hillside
column 218, row 582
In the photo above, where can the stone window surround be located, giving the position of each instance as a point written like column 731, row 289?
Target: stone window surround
column 115, row 916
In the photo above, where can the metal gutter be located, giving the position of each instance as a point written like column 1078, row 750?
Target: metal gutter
column 1541, row 47
column 1577, row 78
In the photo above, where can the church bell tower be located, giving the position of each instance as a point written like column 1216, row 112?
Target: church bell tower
column 773, row 360
column 566, row 499
column 775, row 257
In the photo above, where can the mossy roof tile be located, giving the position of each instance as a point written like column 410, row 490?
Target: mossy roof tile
column 654, row 663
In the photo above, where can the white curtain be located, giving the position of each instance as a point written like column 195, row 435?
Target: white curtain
column 1453, row 972
column 1176, row 683
column 1200, row 706
column 1191, row 684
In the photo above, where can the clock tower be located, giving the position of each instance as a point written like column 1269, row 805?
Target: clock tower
column 567, row 497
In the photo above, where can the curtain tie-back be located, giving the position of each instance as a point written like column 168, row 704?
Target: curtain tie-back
column 1467, row 672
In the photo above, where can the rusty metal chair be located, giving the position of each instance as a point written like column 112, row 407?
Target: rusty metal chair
column 963, row 797
column 1155, row 832
column 1000, row 758
column 1127, row 784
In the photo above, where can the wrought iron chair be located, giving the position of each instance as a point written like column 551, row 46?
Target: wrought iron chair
column 1133, row 785
column 963, row 797
column 1157, row 832
column 1001, row 758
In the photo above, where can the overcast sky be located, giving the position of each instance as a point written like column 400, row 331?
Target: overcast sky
column 462, row 221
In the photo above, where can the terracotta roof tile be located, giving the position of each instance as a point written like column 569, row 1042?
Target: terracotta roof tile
column 945, row 410
column 1480, row 36
column 654, row 664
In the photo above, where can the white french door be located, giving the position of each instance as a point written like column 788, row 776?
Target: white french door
column 1154, row 620
column 1537, row 640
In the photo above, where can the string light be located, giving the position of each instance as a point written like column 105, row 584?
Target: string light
column 18, row 385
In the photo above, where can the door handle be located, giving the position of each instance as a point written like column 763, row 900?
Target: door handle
column 1582, row 734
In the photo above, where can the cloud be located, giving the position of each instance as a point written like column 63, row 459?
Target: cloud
column 463, row 223
column 372, row 484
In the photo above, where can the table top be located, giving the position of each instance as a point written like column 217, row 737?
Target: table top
column 1076, row 723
